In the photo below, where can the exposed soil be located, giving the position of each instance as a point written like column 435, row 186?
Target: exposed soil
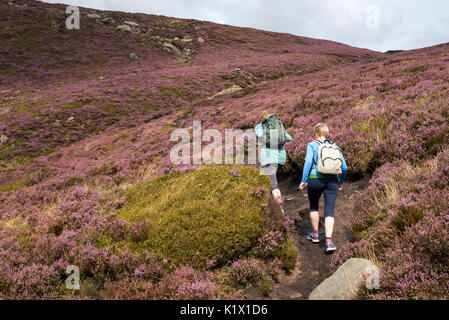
column 312, row 266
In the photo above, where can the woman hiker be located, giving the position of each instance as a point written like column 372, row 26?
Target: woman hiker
column 272, row 135
column 325, row 167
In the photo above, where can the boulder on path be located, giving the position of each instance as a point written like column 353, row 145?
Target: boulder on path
column 344, row 284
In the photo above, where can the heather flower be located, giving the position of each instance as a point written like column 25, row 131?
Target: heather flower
column 234, row 172
column 246, row 271
column 268, row 243
column 258, row 192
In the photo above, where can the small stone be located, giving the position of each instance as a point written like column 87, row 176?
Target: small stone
column 133, row 56
column 124, row 27
column 57, row 123
column 200, row 40
column 70, row 119
column 93, row 16
column 107, row 20
column 130, row 23
column 3, row 139
column 232, row 89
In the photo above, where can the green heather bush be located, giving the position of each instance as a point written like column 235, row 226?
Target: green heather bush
column 287, row 254
column 200, row 216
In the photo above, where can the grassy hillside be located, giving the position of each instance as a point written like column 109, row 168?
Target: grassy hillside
column 85, row 175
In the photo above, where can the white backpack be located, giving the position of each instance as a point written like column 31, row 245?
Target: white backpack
column 329, row 159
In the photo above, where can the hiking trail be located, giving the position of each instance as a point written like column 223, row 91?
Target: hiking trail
column 312, row 265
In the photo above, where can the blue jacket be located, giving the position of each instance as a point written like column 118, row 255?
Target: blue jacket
column 312, row 159
column 271, row 156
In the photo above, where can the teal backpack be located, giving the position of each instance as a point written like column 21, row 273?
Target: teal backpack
column 273, row 125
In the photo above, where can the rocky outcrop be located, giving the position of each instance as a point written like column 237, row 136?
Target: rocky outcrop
column 242, row 78
column 131, row 23
column 133, row 27
column 124, row 27
column 101, row 18
column 345, row 283
column 232, row 89
column 181, row 49
column 93, row 16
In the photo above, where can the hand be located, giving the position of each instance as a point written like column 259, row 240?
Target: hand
column 340, row 186
column 302, row 186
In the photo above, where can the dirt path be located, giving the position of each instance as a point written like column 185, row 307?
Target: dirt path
column 312, row 266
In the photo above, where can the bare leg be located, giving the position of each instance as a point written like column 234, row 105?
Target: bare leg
column 329, row 226
column 315, row 220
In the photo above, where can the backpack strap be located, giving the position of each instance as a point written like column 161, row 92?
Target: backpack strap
column 313, row 160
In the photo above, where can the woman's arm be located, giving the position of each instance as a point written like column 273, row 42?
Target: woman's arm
column 344, row 168
column 259, row 131
column 288, row 137
column 307, row 164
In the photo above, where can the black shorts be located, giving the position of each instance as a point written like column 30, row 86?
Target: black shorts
column 318, row 186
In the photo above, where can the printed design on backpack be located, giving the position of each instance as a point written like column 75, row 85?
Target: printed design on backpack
column 274, row 129
column 329, row 159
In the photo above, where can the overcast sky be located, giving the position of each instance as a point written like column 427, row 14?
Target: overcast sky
column 374, row 24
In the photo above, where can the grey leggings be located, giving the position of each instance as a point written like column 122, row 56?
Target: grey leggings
column 271, row 170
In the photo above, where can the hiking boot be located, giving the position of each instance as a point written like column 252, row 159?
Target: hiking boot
column 313, row 237
column 330, row 247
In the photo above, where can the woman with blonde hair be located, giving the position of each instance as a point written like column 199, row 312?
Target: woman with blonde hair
column 323, row 156
column 272, row 135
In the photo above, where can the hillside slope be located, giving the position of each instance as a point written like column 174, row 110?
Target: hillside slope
column 101, row 76
column 85, row 122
